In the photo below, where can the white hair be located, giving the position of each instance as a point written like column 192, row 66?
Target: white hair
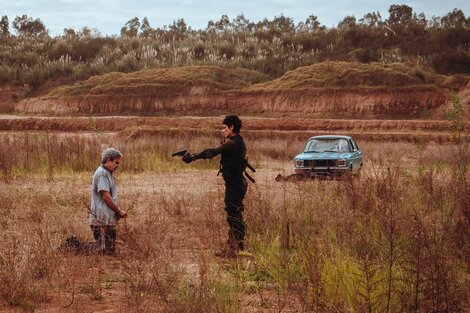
column 110, row 154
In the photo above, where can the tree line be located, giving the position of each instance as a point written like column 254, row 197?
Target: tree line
column 29, row 55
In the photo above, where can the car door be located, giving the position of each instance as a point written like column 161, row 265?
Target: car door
column 356, row 157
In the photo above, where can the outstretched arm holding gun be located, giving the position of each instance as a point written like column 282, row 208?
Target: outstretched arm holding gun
column 226, row 146
column 179, row 153
column 232, row 166
column 187, row 157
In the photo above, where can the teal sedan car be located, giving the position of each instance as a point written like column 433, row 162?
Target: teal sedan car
column 329, row 156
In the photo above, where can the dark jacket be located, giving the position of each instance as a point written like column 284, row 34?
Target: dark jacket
column 232, row 161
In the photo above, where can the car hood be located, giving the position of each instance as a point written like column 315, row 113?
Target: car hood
column 323, row 156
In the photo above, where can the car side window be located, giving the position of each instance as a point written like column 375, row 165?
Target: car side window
column 354, row 145
column 351, row 143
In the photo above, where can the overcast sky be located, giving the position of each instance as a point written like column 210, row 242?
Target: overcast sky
column 108, row 16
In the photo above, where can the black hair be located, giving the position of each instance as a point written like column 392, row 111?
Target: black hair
column 233, row 120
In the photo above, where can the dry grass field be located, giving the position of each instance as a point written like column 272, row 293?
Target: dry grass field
column 395, row 239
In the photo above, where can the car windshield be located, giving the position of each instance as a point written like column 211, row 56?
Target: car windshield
column 327, row 145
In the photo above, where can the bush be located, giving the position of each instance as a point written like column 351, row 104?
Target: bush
column 361, row 55
column 199, row 52
column 452, row 62
column 227, row 52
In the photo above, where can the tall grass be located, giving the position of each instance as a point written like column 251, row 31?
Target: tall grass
column 374, row 244
column 49, row 153
column 391, row 240
column 53, row 153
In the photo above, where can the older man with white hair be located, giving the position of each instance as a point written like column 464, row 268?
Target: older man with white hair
column 104, row 211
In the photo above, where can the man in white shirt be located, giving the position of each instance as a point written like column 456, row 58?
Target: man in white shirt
column 104, row 210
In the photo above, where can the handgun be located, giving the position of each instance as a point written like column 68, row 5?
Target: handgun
column 179, row 153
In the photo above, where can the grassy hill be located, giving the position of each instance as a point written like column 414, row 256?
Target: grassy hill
column 182, row 80
column 163, row 81
column 352, row 74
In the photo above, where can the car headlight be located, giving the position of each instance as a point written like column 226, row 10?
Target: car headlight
column 299, row 163
column 341, row 163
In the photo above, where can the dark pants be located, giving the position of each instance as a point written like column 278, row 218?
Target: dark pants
column 109, row 237
column 234, row 194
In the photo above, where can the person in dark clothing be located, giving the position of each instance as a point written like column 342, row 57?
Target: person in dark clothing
column 232, row 167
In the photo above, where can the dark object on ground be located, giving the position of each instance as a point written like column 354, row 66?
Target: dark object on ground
column 73, row 244
column 179, row 153
column 291, row 178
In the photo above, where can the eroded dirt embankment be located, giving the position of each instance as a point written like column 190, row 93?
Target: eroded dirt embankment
column 131, row 127
column 409, row 102
column 357, row 102
column 119, row 123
